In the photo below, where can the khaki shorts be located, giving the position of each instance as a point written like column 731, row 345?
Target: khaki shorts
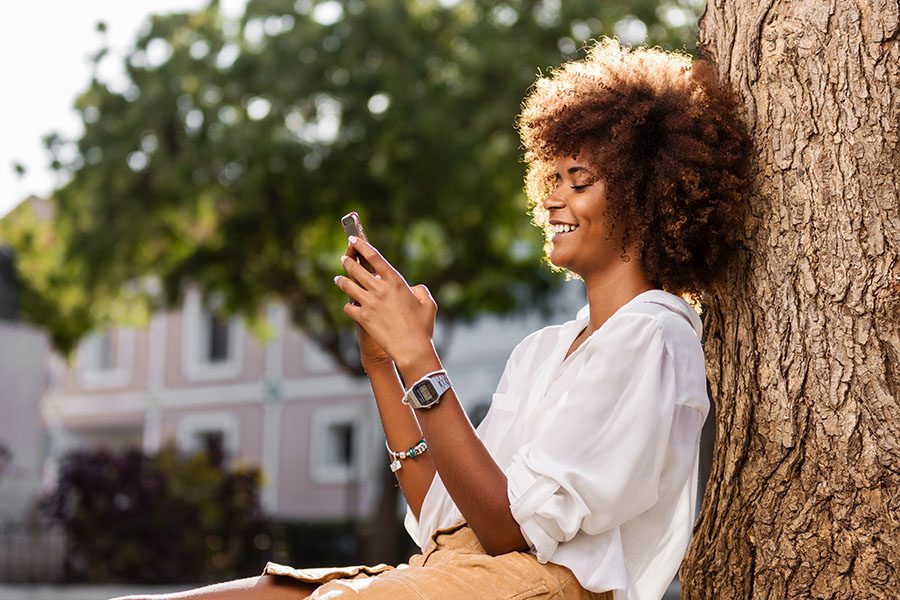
column 452, row 566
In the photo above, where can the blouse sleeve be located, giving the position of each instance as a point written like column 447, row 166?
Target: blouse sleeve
column 598, row 462
column 431, row 515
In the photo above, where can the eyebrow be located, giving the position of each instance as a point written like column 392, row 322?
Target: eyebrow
column 573, row 170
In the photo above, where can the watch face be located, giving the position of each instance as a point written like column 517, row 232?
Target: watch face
column 425, row 393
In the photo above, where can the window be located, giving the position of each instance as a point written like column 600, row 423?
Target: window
column 211, row 344
column 217, row 330
column 104, row 358
column 337, row 441
column 98, row 352
column 215, row 432
column 211, row 440
column 340, row 444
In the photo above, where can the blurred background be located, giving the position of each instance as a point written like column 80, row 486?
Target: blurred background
column 180, row 392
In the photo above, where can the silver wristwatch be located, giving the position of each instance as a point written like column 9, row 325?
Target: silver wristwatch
column 427, row 391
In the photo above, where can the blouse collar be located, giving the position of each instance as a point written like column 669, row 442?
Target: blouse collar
column 678, row 304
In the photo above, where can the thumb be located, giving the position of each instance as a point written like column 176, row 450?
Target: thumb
column 423, row 295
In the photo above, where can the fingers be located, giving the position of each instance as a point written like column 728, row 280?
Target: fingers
column 352, row 311
column 359, row 273
column 366, row 250
column 354, row 253
column 350, row 287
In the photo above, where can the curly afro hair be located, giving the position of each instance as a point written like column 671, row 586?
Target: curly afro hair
column 666, row 138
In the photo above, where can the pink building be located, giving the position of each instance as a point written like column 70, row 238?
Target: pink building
column 282, row 404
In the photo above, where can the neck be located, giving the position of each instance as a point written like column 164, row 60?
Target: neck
column 609, row 292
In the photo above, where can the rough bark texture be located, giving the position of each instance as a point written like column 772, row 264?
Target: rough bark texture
column 803, row 343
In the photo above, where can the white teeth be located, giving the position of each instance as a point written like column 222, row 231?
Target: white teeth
column 562, row 228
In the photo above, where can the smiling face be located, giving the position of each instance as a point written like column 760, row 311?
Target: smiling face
column 580, row 230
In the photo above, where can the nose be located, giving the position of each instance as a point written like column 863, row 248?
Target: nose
column 553, row 200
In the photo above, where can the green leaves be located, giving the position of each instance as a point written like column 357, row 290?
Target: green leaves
column 234, row 151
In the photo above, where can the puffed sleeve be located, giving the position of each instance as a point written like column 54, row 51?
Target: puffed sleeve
column 598, row 462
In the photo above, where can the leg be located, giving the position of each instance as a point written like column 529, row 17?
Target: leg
column 263, row 587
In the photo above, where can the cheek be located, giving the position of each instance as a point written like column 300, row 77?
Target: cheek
column 596, row 234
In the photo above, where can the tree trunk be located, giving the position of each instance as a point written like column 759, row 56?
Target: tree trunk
column 803, row 343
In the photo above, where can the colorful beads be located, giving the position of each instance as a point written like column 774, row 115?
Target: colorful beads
column 420, row 448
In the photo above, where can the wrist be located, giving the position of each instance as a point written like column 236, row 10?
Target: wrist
column 378, row 365
column 415, row 366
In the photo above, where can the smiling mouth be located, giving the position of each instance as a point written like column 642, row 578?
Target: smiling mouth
column 560, row 229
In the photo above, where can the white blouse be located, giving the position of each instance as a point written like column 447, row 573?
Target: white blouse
column 600, row 449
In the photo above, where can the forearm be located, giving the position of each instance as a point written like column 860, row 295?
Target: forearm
column 399, row 322
column 402, row 431
column 472, row 477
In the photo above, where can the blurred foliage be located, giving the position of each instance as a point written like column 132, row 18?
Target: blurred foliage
column 167, row 517
column 316, row 544
column 330, row 543
column 229, row 155
column 50, row 290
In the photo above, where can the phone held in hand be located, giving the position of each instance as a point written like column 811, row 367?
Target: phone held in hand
column 352, row 226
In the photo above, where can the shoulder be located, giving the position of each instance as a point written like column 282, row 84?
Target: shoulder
column 678, row 322
column 646, row 329
column 627, row 336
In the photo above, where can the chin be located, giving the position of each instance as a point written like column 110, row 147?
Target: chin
column 555, row 261
column 563, row 265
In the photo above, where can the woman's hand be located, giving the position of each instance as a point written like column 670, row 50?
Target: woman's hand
column 370, row 353
column 394, row 319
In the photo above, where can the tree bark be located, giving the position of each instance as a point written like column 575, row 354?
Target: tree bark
column 803, row 341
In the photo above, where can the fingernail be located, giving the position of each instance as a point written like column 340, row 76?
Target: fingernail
column 351, row 239
column 336, row 278
column 343, row 258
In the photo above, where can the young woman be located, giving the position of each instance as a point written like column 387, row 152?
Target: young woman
column 581, row 480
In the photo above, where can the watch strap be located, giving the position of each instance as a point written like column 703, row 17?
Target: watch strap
column 438, row 379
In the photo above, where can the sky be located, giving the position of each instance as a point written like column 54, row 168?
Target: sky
column 44, row 65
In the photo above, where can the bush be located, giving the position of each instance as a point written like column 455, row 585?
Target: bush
column 163, row 518
column 316, row 544
column 331, row 543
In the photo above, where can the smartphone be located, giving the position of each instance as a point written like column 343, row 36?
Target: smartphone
column 352, row 226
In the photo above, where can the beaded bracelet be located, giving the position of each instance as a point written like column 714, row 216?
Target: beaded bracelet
column 413, row 452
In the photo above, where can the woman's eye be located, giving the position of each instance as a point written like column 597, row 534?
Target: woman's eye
column 579, row 188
